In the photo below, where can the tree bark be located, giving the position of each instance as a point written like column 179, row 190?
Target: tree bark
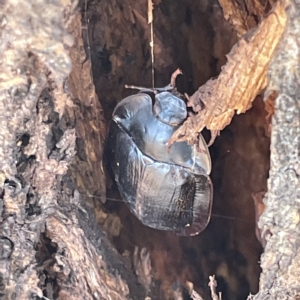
column 280, row 221
column 50, row 244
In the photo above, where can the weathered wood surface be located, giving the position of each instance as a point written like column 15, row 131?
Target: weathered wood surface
column 244, row 15
column 280, row 221
column 50, row 244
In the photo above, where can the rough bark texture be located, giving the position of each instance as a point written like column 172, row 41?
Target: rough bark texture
column 245, row 15
column 28, row 171
column 280, row 220
column 50, row 245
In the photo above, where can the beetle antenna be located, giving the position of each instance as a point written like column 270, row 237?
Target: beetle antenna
column 141, row 89
column 173, row 78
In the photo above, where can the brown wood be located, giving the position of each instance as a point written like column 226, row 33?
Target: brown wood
column 50, row 244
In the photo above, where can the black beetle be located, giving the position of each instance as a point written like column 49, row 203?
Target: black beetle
column 167, row 189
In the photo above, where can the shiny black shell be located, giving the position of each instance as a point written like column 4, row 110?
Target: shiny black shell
column 166, row 189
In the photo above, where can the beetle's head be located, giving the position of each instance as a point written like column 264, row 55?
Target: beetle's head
column 169, row 109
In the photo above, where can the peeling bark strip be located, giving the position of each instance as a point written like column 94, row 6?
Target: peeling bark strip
column 281, row 261
column 241, row 80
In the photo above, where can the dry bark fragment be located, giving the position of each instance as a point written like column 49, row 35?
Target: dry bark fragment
column 242, row 78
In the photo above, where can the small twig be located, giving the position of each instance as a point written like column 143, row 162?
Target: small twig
column 193, row 294
column 213, row 284
column 196, row 296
